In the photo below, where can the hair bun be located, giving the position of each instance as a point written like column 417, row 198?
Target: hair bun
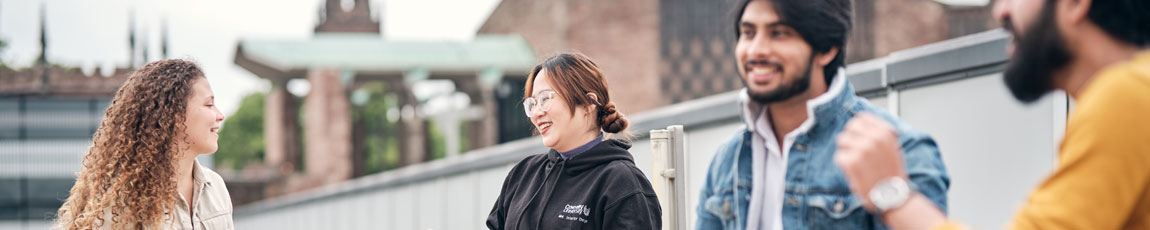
column 611, row 120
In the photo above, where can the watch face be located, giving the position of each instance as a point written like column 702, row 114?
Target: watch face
column 881, row 195
column 890, row 193
column 887, row 192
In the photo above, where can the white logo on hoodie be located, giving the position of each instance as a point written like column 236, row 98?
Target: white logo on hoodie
column 577, row 209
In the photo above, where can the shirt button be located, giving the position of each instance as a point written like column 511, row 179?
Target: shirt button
column 839, row 206
column 792, row 201
column 801, row 147
column 727, row 206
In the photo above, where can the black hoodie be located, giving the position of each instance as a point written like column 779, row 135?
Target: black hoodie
column 598, row 189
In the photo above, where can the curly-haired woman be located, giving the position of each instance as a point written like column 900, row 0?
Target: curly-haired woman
column 141, row 171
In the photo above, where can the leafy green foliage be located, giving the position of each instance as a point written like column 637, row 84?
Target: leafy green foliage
column 380, row 148
column 242, row 134
column 3, row 44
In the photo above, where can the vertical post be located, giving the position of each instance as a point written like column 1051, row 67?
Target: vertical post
column 660, row 149
column 448, row 125
column 677, row 175
column 668, row 155
column 667, row 149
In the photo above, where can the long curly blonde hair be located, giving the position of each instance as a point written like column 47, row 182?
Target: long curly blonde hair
column 127, row 180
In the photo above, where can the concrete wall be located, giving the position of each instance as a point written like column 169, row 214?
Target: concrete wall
column 25, row 225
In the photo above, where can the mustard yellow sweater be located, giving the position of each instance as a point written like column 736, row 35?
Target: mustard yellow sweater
column 1103, row 176
column 1104, row 168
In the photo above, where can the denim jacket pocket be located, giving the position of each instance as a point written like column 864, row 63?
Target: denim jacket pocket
column 725, row 204
column 721, row 205
column 836, row 211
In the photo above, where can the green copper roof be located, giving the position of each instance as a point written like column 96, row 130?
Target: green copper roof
column 371, row 53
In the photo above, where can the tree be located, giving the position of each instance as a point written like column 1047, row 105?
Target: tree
column 3, row 45
column 242, row 135
column 379, row 147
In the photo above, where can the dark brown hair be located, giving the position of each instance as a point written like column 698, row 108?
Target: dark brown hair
column 128, row 171
column 574, row 75
column 824, row 24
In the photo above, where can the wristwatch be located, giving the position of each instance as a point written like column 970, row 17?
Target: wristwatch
column 890, row 193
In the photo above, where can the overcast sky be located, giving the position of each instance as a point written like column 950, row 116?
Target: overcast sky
column 94, row 33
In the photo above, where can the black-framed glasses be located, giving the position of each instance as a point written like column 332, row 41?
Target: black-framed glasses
column 541, row 101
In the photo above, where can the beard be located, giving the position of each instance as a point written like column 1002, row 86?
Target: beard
column 1039, row 52
column 786, row 90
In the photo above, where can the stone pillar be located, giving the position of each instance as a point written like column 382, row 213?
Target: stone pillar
column 482, row 131
column 328, row 128
column 410, row 131
column 281, row 133
column 358, row 136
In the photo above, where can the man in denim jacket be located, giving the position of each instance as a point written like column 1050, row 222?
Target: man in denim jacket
column 779, row 172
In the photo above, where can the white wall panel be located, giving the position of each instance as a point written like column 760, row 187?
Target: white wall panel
column 996, row 149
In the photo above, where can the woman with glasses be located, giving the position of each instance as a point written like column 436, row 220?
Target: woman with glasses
column 586, row 181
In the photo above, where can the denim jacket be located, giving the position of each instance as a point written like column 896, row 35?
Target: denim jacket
column 816, row 195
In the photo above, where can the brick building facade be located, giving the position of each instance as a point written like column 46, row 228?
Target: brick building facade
column 659, row 52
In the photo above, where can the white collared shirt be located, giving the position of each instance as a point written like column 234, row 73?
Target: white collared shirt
column 769, row 161
column 211, row 204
